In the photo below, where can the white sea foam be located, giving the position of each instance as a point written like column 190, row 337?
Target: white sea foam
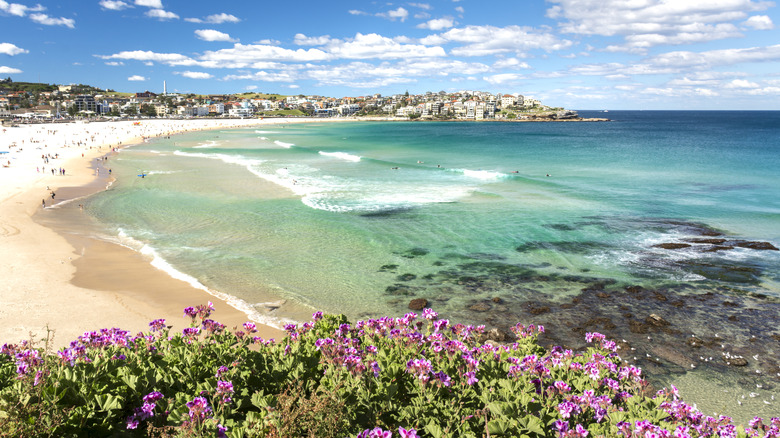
column 210, row 144
column 341, row 156
column 266, row 132
column 160, row 263
column 283, row 144
column 482, row 174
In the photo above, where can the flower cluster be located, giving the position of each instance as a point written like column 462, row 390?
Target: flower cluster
column 146, row 411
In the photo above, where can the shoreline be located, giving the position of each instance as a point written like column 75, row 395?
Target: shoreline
column 73, row 283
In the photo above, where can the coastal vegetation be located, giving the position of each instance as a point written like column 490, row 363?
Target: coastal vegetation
column 413, row 376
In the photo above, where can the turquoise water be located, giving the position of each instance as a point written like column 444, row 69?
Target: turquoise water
column 360, row 218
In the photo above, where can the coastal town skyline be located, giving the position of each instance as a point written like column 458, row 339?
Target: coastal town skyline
column 579, row 54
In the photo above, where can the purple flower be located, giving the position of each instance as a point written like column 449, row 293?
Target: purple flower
column 190, row 311
column 429, row 314
column 132, row 423
column 471, row 378
column 199, row 409
column 250, row 327
column 317, row 316
column 153, row 396
column 220, row 371
column 158, row 324
column 221, row 431
column 410, row 433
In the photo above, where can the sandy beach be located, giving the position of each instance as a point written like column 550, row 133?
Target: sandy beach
column 73, row 283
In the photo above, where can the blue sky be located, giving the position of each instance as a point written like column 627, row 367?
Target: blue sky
column 580, row 54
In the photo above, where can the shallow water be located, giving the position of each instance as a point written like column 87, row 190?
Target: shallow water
column 360, row 218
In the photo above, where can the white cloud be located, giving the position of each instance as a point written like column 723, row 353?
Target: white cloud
column 156, row 4
column 263, row 76
column 11, row 49
column 51, row 21
column 303, row 40
column 356, row 12
column 395, row 14
column 741, row 84
column 136, row 78
column 9, row 70
column 437, row 24
column 17, row 9
column 250, row 87
column 491, row 40
column 460, row 9
column 645, row 23
column 424, row 6
column 115, row 63
column 195, row 74
column 215, row 19
column 241, row 55
column 114, row 5
column 759, row 22
column 161, row 14
column 140, row 55
column 503, row 78
column 513, row 63
column 379, row 47
column 213, row 35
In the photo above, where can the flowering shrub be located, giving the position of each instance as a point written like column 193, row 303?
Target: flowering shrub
column 388, row 377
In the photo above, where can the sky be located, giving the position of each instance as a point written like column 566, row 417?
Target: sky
column 577, row 54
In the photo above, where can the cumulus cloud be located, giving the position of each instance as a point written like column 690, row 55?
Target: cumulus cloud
column 503, row 78
column 437, row 24
column 379, row 47
column 156, row 4
column 194, row 74
column 395, row 14
column 303, row 40
column 242, row 55
column 646, row 24
column 136, row 78
column 510, row 63
column 161, row 14
column 215, row 19
column 741, row 84
column 9, row 70
column 491, row 40
column 17, row 9
column 213, row 35
column 11, row 49
column 141, row 55
column 263, row 76
column 51, row 21
column 759, row 22
column 114, row 5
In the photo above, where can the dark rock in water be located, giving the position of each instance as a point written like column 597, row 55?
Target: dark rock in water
column 406, row 277
column 538, row 310
column 695, row 342
column 602, row 295
column 496, row 335
column 639, row 327
column 656, row 320
column 438, row 263
column 735, row 361
column 560, row 227
column 659, row 296
column 415, row 252
column 764, row 246
column 385, row 268
column 723, row 272
column 707, row 241
column 718, row 248
column 418, row 304
column 496, row 300
column 479, row 307
column 398, row 289
column 672, row 245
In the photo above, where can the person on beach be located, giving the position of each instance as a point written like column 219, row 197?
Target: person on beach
column 43, row 202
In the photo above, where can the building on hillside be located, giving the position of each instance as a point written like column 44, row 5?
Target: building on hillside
column 86, row 104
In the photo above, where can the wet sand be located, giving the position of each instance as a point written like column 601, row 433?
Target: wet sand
column 57, row 277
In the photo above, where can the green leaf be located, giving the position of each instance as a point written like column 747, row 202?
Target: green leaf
column 434, row 429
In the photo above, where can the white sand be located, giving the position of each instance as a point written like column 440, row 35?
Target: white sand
column 37, row 264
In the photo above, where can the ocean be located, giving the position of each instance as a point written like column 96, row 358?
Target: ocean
column 655, row 228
